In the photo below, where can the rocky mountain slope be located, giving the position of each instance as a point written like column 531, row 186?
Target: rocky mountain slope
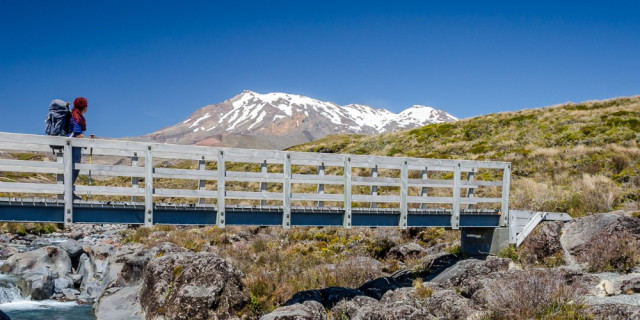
column 279, row 120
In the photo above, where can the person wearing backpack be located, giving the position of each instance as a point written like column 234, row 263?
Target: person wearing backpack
column 77, row 126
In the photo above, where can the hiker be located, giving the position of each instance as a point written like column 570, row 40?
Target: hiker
column 77, row 126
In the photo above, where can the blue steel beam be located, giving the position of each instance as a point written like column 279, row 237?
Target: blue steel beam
column 254, row 216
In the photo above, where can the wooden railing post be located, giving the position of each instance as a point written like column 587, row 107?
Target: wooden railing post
column 470, row 191
column 321, row 185
column 201, row 183
column 455, row 211
column 346, row 222
column 148, row 188
column 506, row 184
column 60, row 177
column 374, row 189
column 404, row 193
column 134, row 180
column 286, row 193
column 68, row 183
column 220, row 220
column 263, row 185
column 423, row 190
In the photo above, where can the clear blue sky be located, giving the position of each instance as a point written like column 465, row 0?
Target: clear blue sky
column 144, row 65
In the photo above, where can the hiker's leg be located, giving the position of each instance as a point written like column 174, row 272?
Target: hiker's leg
column 77, row 157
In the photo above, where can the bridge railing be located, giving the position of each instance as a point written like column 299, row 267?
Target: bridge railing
column 262, row 177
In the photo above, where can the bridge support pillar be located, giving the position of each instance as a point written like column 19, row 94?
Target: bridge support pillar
column 483, row 241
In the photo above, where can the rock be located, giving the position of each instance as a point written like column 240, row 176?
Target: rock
column 72, row 247
column 303, row 296
column 134, row 261
column 405, row 251
column 39, row 283
column 101, row 252
column 5, row 238
column 85, row 269
column 580, row 232
column 613, row 311
column 447, row 304
column 630, row 286
column 120, row 303
column 378, row 287
column 40, row 242
column 542, row 244
column 346, row 309
column 52, row 258
column 70, row 294
column 77, row 280
column 62, row 283
column 7, row 252
column 436, row 263
column 403, row 308
column 76, row 235
column 328, row 297
column 189, row 285
column 309, row 310
column 467, row 269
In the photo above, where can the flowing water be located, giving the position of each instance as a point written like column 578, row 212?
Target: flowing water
column 18, row 307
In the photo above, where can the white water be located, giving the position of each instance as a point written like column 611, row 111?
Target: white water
column 20, row 308
column 9, row 293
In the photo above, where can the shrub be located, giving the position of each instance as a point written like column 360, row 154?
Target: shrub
column 619, row 252
column 138, row 235
column 422, row 291
column 536, row 294
column 509, row 252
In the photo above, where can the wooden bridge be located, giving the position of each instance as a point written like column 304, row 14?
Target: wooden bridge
column 150, row 183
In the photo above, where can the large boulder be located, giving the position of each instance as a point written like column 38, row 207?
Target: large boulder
column 606, row 241
column 119, row 303
column 189, row 285
column 40, row 283
column 72, row 247
column 54, row 259
column 308, row 310
column 465, row 270
column 581, row 232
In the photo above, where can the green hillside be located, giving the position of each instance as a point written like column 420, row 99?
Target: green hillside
column 576, row 158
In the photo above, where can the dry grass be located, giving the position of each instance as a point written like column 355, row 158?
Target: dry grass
column 618, row 252
column 540, row 294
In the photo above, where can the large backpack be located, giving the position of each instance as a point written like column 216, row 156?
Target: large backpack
column 57, row 122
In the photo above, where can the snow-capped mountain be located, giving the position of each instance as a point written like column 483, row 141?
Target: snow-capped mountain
column 280, row 120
